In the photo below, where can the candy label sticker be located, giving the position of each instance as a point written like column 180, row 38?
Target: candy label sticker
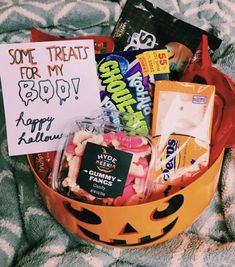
column 104, row 170
column 154, row 62
column 44, row 88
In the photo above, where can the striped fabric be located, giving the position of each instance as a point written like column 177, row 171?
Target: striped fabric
column 29, row 236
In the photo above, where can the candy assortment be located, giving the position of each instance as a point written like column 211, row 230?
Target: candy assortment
column 153, row 135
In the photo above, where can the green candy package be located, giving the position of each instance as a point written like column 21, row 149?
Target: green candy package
column 127, row 81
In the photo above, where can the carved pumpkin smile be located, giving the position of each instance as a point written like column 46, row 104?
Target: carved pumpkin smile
column 128, row 232
column 122, row 242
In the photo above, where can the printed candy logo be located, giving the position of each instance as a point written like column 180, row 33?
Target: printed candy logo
column 170, row 160
column 116, row 87
column 103, row 170
column 144, row 100
column 141, row 40
column 106, row 162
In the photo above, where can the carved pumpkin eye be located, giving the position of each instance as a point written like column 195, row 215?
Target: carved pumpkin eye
column 174, row 204
column 84, row 215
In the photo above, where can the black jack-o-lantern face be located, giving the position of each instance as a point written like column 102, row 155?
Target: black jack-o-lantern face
column 133, row 226
column 127, row 230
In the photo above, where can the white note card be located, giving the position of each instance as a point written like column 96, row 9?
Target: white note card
column 45, row 86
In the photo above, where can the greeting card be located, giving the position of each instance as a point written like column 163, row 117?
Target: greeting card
column 45, row 86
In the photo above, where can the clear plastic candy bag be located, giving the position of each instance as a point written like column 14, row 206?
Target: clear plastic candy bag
column 101, row 161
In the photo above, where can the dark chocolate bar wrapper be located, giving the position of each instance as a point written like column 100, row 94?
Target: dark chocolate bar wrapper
column 141, row 26
column 125, row 85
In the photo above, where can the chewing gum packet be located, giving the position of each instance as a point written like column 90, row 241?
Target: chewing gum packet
column 127, row 81
column 181, row 128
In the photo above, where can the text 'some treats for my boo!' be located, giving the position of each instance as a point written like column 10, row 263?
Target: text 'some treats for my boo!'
column 46, row 85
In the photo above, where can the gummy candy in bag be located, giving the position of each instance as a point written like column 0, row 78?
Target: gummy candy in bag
column 101, row 162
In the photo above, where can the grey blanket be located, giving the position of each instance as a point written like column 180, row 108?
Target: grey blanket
column 29, row 235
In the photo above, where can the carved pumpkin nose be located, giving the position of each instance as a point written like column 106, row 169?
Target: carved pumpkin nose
column 128, row 229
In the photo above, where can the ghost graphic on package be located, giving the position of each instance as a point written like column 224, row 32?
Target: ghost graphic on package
column 182, row 122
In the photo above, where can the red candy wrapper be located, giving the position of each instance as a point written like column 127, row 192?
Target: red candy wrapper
column 201, row 70
column 43, row 165
column 102, row 43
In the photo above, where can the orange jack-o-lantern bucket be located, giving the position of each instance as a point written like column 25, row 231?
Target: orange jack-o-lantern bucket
column 137, row 225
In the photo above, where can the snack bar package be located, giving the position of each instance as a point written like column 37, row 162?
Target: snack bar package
column 101, row 163
column 143, row 26
column 182, row 125
column 127, row 81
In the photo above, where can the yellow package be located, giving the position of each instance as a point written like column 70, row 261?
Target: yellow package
column 181, row 128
